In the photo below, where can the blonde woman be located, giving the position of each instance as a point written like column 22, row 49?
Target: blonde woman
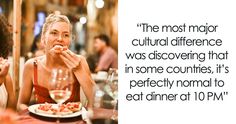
column 56, row 35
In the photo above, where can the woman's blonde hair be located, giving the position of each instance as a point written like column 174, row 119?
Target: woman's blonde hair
column 52, row 18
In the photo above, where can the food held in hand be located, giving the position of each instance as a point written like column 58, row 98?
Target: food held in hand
column 59, row 48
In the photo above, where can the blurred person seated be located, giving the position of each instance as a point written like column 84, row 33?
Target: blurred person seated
column 56, row 36
column 107, row 56
column 37, row 47
column 7, row 94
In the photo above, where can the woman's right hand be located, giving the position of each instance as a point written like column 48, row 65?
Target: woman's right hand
column 4, row 67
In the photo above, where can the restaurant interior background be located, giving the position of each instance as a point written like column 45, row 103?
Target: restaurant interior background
column 88, row 17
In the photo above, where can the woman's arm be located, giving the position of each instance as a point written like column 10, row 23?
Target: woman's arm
column 26, row 89
column 83, row 75
column 11, row 101
column 79, row 66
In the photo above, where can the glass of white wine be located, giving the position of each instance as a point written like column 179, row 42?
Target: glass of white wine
column 60, row 86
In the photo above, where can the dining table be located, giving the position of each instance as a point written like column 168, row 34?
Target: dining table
column 104, row 112
column 26, row 117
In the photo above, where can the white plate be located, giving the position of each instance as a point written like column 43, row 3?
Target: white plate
column 33, row 107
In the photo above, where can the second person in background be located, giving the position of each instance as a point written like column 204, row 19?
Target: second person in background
column 107, row 56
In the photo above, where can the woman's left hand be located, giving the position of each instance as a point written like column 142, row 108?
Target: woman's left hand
column 71, row 60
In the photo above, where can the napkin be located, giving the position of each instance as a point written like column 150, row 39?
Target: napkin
column 85, row 116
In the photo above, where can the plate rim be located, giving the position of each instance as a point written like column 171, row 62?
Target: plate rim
column 31, row 109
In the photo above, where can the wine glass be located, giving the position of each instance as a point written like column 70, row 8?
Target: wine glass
column 60, row 86
column 111, row 88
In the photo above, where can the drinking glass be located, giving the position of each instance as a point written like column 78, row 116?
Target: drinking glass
column 60, row 86
column 111, row 87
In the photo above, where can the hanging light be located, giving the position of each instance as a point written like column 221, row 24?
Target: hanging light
column 1, row 10
column 99, row 3
column 83, row 20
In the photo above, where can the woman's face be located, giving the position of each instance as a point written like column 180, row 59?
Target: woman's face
column 58, row 34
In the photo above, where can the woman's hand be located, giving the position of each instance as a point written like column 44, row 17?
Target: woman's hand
column 4, row 67
column 71, row 60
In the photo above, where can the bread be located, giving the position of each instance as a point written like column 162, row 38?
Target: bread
column 59, row 48
column 73, row 106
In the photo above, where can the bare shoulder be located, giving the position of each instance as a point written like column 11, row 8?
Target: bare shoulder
column 30, row 63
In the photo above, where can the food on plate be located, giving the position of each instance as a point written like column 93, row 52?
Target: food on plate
column 45, row 108
column 63, row 109
column 74, row 106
